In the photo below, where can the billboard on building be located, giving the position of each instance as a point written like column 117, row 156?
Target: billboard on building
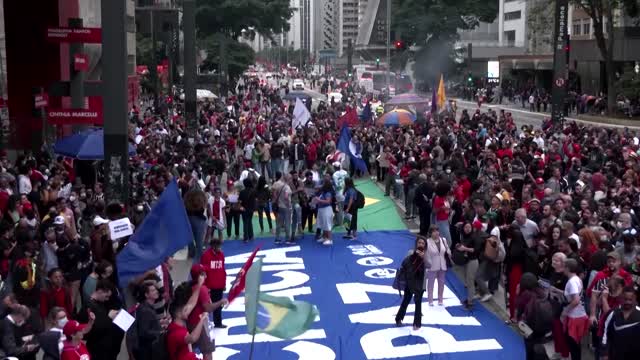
column 493, row 69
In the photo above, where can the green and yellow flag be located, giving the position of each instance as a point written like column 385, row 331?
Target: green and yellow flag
column 277, row 316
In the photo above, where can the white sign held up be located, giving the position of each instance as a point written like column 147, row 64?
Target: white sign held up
column 120, row 228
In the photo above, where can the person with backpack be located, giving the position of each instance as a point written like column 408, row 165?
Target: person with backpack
column 535, row 316
column 147, row 324
column 353, row 200
column 412, row 272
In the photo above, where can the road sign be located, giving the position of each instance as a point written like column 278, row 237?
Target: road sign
column 74, row 116
column 75, row 35
column 559, row 82
column 41, row 101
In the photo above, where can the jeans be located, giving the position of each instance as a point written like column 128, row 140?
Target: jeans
column 417, row 314
column 216, row 295
column 265, row 170
column 283, row 222
column 389, row 181
column 299, row 165
column 443, row 227
column 276, row 165
column 247, row 225
column 482, row 276
column 470, row 270
column 296, row 215
column 340, row 213
column 409, row 206
column 199, row 229
column 266, row 210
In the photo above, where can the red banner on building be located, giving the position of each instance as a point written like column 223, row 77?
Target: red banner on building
column 74, row 116
column 73, row 35
column 81, row 62
column 41, row 100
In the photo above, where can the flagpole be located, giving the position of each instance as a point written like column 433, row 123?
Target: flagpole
column 253, row 338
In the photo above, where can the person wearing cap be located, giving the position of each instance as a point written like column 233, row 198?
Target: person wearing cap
column 74, row 348
column 101, row 244
column 204, row 305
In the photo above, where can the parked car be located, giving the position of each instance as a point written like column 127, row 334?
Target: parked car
column 298, row 84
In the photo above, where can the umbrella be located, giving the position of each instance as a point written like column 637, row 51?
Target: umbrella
column 86, row 145
column 398, row 117
column 407, row 99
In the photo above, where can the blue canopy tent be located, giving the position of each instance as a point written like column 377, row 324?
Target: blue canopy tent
column 85, row 145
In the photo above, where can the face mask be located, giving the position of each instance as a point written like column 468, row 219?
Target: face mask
column 62, row 322
column 72, row 198
column 139, row 208
column 448, row 171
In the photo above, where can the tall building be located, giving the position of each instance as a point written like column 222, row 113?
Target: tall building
column 372, row 25
column 348, row 24
column 326, row 29
column 307, row 20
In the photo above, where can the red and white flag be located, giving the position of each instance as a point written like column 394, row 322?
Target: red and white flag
column 238, row 284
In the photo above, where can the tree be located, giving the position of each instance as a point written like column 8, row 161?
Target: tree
column 238, row 55
column 629, row 84
column 598, row 11
column 231, row 17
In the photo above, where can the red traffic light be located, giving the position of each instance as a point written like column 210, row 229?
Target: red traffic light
column 399, row 44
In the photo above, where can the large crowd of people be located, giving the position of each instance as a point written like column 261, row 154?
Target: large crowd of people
column 547, row 213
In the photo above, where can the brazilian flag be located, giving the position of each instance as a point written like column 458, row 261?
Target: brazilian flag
column 277, row 316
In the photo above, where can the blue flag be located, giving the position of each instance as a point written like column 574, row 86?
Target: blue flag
column 353, row 150
column 165, row 230
column 366, row 112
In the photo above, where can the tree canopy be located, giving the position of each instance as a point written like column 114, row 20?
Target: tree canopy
column 266, row 17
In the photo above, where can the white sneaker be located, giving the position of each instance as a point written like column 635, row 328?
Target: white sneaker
column 327, row 242
column 477, row 296
column 320, row 240
column 486, row 298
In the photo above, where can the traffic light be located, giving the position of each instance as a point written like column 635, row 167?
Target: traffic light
column 399, row 44
column 377, row 63
column 469, row 78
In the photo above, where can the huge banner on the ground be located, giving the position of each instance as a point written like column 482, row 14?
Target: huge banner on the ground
column 351, row 285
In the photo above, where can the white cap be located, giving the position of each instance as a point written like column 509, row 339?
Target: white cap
column 98, row 220
column 59, row 220
column 336, row 164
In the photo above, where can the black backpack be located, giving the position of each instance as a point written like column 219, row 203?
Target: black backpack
column 540, row 316
column 359, row 200
column 400, row 281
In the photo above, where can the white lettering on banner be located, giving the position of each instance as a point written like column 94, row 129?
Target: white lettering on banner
column 238, row 304
column 436, row 315
column 356, row 293
column 267, row 268
column 223, row 338
column 222, row 353
column 364, row 250
column 272, row 256
column 379, row 344
column 290, row 279
column 380, row 273
column 374, row 261
column 310, row 351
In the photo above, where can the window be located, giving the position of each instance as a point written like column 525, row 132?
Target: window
column 514, row 15
column 577, row 29
column 510, row 37
column 586, row 27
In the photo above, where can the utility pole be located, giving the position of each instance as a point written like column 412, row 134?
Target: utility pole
column 189, row 25
column 349, row 56
column 388, row 45
column 114, row 81
column 560, row 64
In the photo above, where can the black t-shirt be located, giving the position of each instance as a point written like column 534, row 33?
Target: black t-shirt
column 248, row 199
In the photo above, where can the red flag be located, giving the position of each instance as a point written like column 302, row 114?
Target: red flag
column 350, row 118
column 238, row 283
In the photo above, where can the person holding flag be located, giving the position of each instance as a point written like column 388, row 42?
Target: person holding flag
column 203, row 305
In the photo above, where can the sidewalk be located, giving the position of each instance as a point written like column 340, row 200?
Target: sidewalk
column 594, row 120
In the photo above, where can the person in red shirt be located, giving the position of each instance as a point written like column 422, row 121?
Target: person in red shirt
column 74, row 348
column 55, row 294
column 179, row 339
column 204, row 305
column 441, row 209
column 213, row 262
